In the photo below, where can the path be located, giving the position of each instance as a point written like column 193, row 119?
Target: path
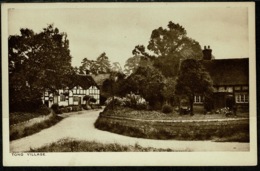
column 80, row 127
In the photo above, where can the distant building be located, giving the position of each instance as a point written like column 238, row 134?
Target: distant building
column 82, row 85
column 230, row 80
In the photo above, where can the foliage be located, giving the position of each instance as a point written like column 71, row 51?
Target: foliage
column 116, row 67
column 193, row 79
column 168, row 90
column 56, row 109
column 99, row 66
column 45, row 55
column 71, row 145
column 43, row 110
column 167, row 108
column 130, row 100
column 166, row 48
column 132, row 64
column 236, row 130
column 18, row 117
column 17, row 132
column 103, row 63
column 147, row 82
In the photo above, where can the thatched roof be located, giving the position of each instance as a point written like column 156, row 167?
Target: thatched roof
column 100, row 78
column 228, row 71
column 84, row 81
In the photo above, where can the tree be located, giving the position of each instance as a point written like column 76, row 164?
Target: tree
column 103, row 64
column 167, row 47
column 132, row 64
column 116, row 67
column 86, row 66
column 148, row 82
column 168, row 90
column 193, row 79
column 37, row 61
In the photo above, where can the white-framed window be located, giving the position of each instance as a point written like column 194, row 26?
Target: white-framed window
column 198, row 99
column 242, row 98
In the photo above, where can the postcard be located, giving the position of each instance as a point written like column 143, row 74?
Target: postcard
column 129, row 84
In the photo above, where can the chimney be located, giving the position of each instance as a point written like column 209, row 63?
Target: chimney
column 207, row 53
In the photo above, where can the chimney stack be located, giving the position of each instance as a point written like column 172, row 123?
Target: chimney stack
column 207, row 53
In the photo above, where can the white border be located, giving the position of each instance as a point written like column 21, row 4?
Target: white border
column 132, row 158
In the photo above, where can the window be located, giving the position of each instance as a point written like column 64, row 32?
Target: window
column 245, row 88
column 198, row 99
column 237, row 88
column 242, row 98
column 221, row 89
column 62, row 98
column 230, row 89
column 75, row 98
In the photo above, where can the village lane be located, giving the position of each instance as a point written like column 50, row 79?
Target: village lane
column 81, row 127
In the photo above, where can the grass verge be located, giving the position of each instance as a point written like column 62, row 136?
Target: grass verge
column 224, row 131
column 17, row 132
column 70, row 145
column 158, row 115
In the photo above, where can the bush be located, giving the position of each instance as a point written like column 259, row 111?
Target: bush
column 157, row 105
column 43, row 110
column 167, row 108
column 131, row 101
column 55, row 107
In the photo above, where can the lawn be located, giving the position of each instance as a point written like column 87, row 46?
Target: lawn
column 70, row 145
column 158, row 115
column 157, row 125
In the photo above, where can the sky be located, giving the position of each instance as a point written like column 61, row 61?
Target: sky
column 116, row 31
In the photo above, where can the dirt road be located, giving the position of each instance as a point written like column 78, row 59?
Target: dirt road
column 81, row 127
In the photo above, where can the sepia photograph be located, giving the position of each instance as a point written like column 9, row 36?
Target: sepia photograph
column 123, row 84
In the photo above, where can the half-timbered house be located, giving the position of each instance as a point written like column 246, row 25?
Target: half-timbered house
column 81, row 86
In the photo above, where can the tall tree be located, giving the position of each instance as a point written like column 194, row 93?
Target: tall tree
column 132, row 64
column 37, row 61
column 167, row 47
column 103, row 63
column 193, row 79
column 116, row 67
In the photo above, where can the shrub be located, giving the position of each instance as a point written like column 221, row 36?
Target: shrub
column 43, row 110
column 167, row 108
column 92, row 100
column 157, row 106
column 55, row 108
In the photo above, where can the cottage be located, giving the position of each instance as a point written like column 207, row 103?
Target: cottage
column 230, row 80
column 73, row 95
